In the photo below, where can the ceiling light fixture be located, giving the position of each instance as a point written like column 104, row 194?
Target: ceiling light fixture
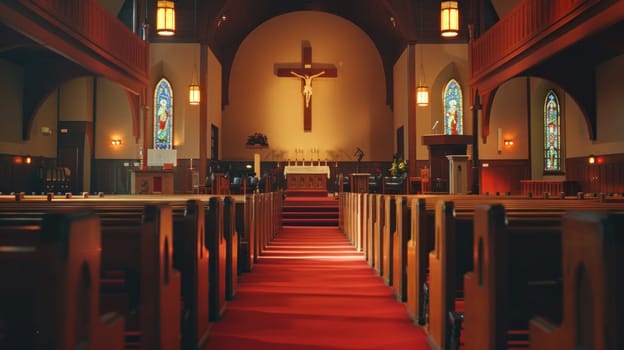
column 194, row 97
column 449, row 18
column 165, row 18
column 422, row 90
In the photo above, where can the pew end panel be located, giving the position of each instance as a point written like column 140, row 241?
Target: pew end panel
column 216, row 245
column 399, row 254
column 160, row 307
column 389, row 228
column 231, row 240
column 191, row 259
column 593, row 285
column 417, row 259
column 441, row 264
column 517, row 273
column 51, row 301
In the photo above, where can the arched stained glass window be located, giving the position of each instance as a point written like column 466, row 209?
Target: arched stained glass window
column 453, row 114
column 552, row 133
column 163, row 115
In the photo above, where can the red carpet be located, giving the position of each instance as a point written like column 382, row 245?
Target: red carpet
column 312, row 290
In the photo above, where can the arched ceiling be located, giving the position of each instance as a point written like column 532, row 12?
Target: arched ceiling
column 391, row 24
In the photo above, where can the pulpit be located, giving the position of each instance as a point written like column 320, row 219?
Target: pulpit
column 440, row 147
column 359, row 182
column 458, row 174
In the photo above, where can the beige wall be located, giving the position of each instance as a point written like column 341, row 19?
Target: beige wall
column 176, row 63
column 76, row 100
column 11, row 95
column 113, row 122
column 441, row 62
column 347, row 112
column 509, row 113
column 610, row 112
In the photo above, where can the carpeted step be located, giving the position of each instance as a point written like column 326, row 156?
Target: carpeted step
column 310, row 211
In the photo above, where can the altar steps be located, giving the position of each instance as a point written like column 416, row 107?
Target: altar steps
column 310, row 211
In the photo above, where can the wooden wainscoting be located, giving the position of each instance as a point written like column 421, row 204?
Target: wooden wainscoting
column 503, row 175
column 606, row 175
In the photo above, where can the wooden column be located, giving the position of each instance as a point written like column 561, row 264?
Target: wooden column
column 203, row 112
column 411, row 110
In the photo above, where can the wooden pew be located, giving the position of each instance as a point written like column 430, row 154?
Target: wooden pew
column 370, row 228
column 450, row 258
column 517, row 273
column 216, row 245
column 117, row 208
column 593, row 285
column 191, row 259
column 418, row 247
column 147, row 256
column 50, row 265
column 399, row 244
column 380, row 205
column 246, row 236
column 231, row 240
column 389, row 228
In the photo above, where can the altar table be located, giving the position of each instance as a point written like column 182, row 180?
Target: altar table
column 306, row 177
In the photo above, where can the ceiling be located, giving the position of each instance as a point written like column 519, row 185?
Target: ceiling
column 391, row 24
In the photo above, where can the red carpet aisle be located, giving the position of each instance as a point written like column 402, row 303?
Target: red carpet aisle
column 312, row 290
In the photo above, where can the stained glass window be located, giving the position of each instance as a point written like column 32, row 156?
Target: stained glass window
column 453, row 116
column 552, row 133
column 163, row 115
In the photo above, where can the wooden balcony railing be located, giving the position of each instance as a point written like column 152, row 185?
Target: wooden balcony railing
column 96, row 28
column 528, row 23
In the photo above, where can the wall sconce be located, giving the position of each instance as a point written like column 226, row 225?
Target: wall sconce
column 116, row 142
column 449, row 19
column 508, row 143
column 27, row 160
column 591, row 159
column 46, row 131
column 165, row 17
column 194, row 89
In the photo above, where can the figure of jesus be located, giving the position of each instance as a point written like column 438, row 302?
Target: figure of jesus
column 307, row 85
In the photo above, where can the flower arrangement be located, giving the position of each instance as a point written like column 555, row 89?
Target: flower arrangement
column 257, row 139
column 399, row 166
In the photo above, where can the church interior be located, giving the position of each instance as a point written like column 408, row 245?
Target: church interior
column 374, row 109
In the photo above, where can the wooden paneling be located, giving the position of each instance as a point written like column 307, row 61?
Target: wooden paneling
column 503, row 175
column 606, row 175
column 112, row 175
column 18, row 176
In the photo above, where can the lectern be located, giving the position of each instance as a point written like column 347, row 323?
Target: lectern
column 440, row 147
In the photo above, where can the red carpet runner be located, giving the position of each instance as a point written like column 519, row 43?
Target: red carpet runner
column 312, row 290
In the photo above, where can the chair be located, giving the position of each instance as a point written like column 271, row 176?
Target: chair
column 425, row 180
column 236, row 185
column 394, row 184
column 374, row 184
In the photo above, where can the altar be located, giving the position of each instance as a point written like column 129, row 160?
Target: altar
column 309, row 179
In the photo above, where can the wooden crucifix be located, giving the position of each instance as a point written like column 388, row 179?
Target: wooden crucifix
column 306, row 74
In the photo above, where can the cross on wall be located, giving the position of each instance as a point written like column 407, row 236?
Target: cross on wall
column 307, row 73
